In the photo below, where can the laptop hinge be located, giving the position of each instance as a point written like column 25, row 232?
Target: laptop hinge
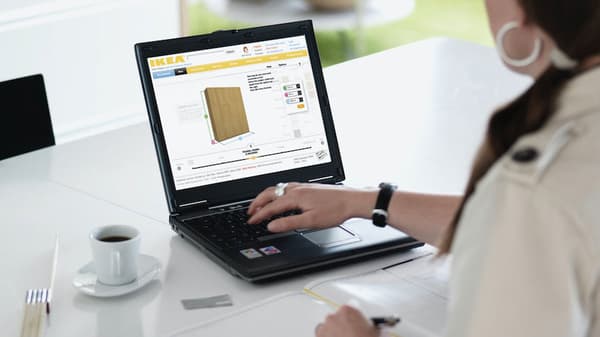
column 319, row 179
column 231, row 204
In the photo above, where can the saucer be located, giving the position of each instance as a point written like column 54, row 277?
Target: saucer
column 87, row 282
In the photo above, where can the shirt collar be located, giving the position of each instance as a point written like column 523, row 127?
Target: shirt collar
column 580, row 96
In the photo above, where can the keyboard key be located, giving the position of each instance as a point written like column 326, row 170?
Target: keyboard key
column 231, row 229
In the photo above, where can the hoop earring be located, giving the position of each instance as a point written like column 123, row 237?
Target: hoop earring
column 529, row 60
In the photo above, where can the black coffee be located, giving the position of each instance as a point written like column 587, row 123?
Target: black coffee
column 114, row 238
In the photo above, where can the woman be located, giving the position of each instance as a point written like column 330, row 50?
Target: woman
column 524, row 238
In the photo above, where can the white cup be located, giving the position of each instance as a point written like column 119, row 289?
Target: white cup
column 115, row 249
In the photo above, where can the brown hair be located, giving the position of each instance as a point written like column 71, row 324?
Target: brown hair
column 575, row 28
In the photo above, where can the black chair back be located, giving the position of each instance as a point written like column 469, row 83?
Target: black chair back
column 25, row 123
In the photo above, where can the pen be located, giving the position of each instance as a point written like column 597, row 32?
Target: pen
column 387, row 321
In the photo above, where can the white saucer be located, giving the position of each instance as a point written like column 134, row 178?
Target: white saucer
column 86, row 280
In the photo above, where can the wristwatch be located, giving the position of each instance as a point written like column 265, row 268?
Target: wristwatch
column 380, row 214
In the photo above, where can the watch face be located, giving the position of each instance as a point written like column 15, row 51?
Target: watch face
column 379, row 220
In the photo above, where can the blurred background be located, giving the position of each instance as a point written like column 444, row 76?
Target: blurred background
column 349, row 28
column 84, row 48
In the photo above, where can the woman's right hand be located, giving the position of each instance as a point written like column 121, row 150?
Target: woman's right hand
column 322, row 206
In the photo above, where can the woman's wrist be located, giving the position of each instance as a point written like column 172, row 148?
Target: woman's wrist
column 360, row 202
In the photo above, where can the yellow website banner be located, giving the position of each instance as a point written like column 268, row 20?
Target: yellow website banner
column 246, row 61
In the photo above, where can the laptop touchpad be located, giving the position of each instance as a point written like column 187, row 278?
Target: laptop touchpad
column 331, row 237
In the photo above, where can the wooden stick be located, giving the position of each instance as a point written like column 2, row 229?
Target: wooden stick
column 26, row 318
column 39, row 310
column 33, row 319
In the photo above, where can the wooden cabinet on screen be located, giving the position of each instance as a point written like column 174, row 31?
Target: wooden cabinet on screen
column 227, row 113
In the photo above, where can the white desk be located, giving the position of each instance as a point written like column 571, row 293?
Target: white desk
column 413, row 115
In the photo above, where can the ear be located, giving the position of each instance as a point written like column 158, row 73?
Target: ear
column 502, row 11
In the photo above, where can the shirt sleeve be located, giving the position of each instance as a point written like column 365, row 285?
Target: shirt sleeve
column 519, row 267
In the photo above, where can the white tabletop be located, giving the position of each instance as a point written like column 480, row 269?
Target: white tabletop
column 371, row 12
column 413, row 115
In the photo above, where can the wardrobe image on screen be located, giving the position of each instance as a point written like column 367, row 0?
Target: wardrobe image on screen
column 227, row 113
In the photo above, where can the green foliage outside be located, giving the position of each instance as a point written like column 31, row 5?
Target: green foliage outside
column 462, row 19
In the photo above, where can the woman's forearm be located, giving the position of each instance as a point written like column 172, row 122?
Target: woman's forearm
column 422, row 216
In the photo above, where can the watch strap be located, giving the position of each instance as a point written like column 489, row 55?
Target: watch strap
column 380, row 214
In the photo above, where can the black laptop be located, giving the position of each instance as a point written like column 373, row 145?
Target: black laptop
column 232, row 113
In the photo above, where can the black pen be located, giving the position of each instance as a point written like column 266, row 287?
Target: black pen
column 387, row 321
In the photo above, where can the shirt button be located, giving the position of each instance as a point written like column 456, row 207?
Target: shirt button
column 525, row 155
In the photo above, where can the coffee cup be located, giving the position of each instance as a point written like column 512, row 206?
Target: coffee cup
column 115, row 249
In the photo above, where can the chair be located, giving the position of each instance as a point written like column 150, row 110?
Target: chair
column 25, row 123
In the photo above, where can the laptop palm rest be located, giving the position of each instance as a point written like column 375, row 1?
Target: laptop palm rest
column 331, row 237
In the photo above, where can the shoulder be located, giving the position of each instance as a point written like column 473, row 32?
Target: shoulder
column 555, row 171
column 568, row 141
column 562, row 159
column 559, row 148
column 535, row 214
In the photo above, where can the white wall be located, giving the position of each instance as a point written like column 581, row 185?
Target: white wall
column 84, row 48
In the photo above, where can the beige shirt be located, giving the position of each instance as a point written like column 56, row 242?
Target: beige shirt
column 526, row 258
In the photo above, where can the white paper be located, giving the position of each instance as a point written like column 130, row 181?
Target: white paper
column 416, row 291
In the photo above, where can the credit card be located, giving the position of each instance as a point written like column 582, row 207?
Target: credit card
column 207, row 302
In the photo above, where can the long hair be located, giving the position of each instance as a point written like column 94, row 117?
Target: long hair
column 574, row 25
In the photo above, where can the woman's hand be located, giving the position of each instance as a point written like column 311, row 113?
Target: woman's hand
column 322, row 206
column 346, row 322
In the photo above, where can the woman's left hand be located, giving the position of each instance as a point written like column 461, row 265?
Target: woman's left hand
column 346, row 322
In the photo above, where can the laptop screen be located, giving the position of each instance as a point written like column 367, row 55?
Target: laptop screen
column 240, row 111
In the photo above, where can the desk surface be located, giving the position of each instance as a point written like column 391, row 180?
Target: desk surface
column 413, row 115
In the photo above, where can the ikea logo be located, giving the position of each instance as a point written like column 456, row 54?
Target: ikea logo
column 165, row 61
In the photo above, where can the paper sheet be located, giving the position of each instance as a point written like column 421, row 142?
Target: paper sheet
column 416, row 291
column 382, row 293
column 290, row 314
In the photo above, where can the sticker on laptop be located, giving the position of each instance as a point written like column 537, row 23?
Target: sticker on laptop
column 251, row 253
column 270, row 250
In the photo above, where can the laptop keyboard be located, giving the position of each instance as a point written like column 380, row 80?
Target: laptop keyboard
column 231, row 229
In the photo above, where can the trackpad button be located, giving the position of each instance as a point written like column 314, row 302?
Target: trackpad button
column 331, row 237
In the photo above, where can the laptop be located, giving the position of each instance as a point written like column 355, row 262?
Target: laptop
column 234, row 112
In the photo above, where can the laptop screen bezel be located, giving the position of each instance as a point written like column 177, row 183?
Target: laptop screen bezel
column 245, row 188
